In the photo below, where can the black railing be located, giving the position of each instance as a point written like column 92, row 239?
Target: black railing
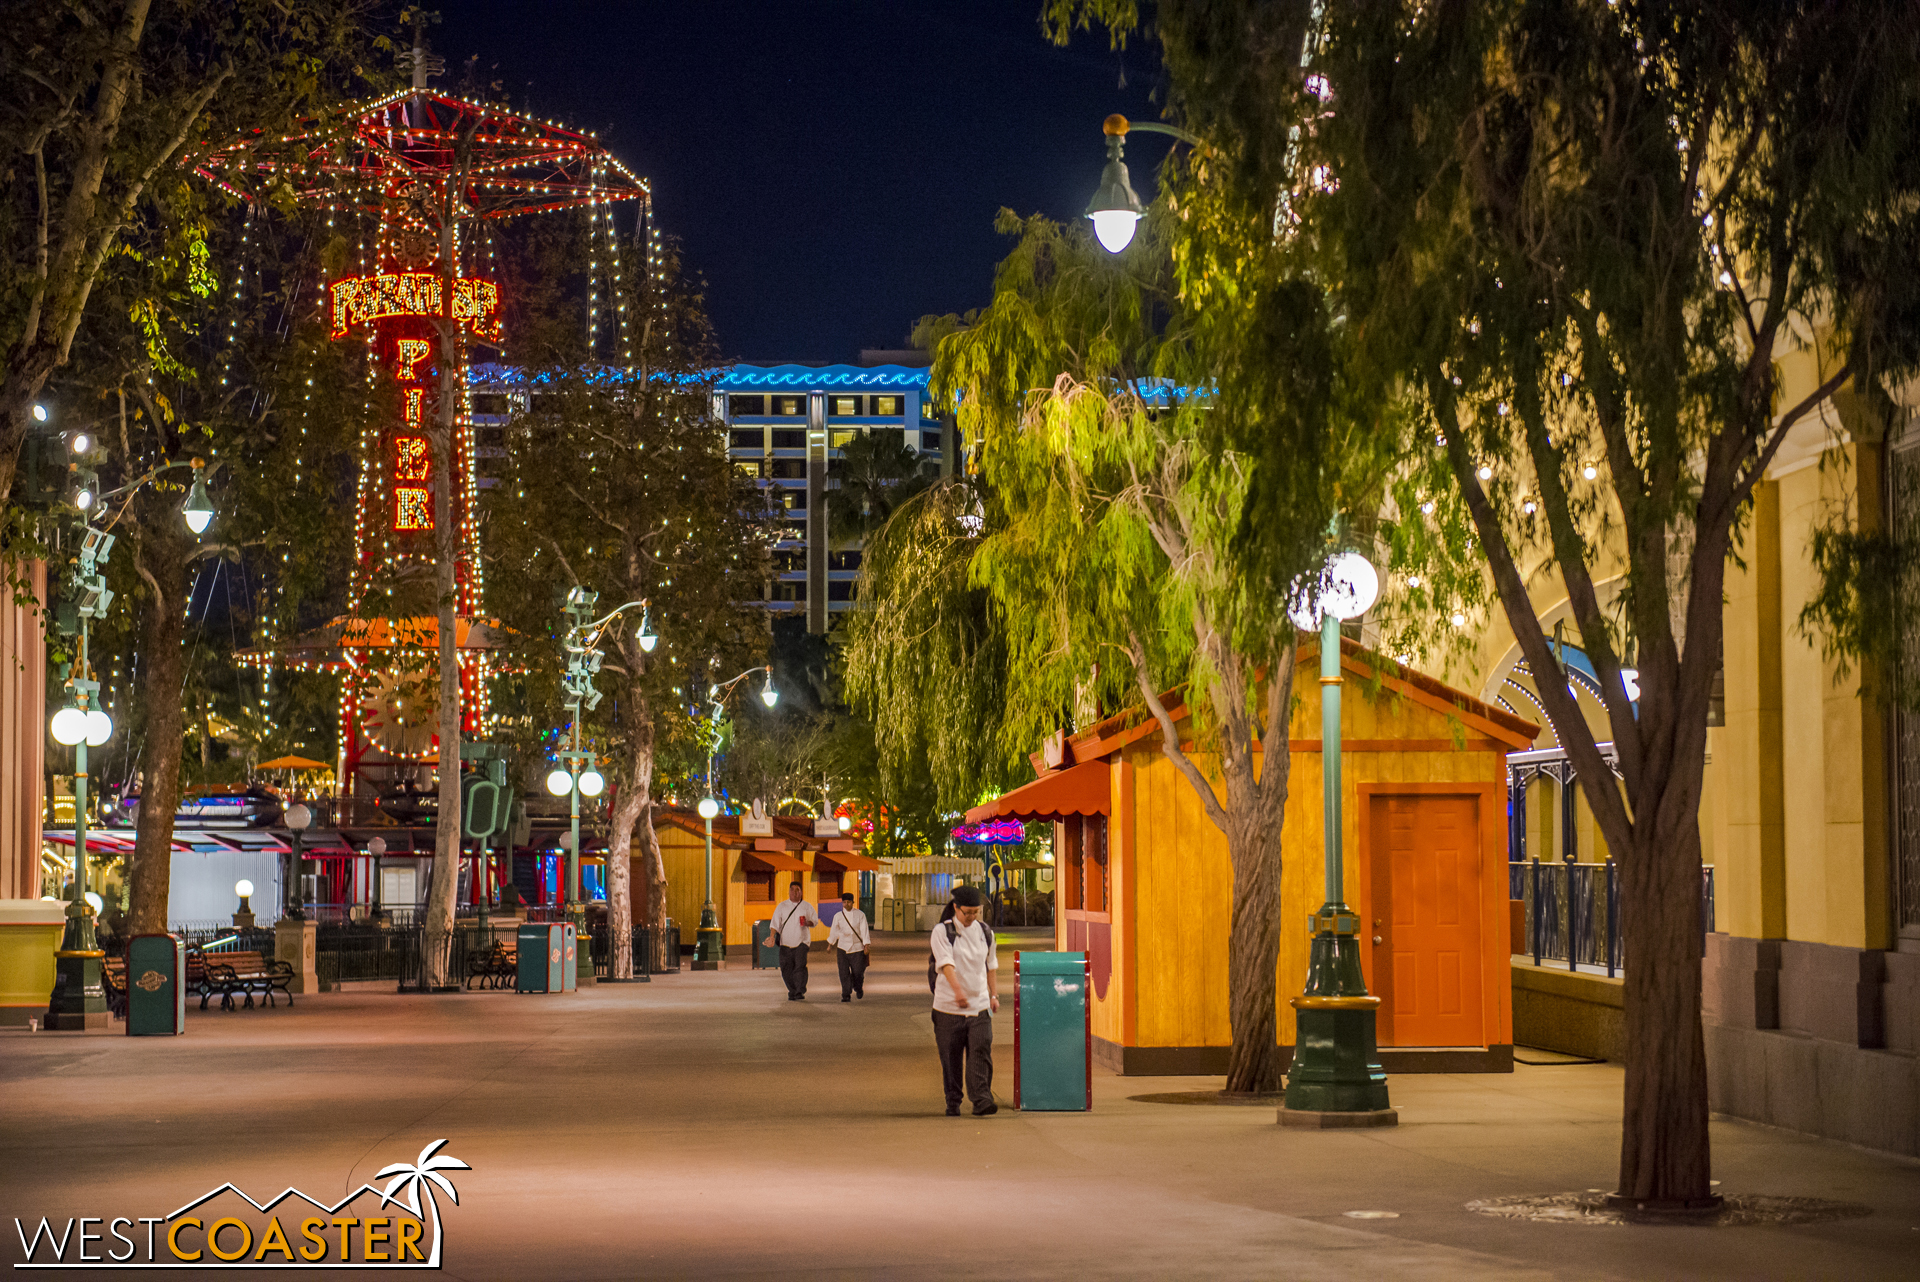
column 1573, row 912
column 642, row 946
column 415, row 972
column 357, row 951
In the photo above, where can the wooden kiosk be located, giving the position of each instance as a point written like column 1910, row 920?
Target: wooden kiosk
column 750, row 873
column 1143, row 884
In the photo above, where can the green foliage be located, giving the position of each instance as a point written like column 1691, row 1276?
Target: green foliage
column 926, row 660
column 619, row 481
column 877, row 472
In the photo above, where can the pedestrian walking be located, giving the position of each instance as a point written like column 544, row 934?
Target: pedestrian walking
column 792, row 922
column 850, row 937
column 966, row 995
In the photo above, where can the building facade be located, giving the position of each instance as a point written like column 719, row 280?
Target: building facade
column 787, row 427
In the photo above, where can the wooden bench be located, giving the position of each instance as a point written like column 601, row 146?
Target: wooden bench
column 113, row 979
column 242, row 975
column 496, row 966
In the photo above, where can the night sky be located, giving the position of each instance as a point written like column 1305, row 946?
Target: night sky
column 833, row 169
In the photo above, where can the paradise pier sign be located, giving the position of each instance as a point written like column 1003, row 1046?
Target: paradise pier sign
column 226, row 1228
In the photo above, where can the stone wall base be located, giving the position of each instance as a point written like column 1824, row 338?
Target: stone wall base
column 1858, row 1095
column 1575, row 1014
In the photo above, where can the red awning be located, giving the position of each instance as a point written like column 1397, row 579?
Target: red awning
column 849, row 861
column 767, row 860
column 1077, row 790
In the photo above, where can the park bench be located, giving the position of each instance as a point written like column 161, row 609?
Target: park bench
column 493, row 967
column 113, row 979
column 242, row 975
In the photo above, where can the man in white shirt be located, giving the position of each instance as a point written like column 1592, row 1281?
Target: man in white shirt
column 966, row 995
column 793, row 923
column 850, row 938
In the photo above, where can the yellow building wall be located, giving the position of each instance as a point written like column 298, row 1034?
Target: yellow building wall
column 684, row 855
column 1833, row 821
column 1185, row 878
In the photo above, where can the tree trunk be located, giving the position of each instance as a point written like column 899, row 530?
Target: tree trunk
column 1253, row 947
column 1665, row 1152
column 444, row 883
column 634, row 805
column 163, row 623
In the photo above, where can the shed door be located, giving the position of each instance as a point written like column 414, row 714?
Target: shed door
column 1425, row 923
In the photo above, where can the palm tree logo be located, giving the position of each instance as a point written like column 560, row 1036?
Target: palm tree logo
column 411, row 1178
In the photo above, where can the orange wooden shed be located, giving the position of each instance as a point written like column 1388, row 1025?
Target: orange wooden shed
column 1144, row 885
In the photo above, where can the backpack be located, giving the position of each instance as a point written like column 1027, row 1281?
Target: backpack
column 953, row 933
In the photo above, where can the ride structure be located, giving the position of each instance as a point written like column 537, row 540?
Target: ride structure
column 426, row 176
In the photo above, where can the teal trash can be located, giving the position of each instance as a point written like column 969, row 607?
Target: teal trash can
column 156, row 986
column 1052, row 1033
column 766, row 953
column 531, row 967
column 567, row 946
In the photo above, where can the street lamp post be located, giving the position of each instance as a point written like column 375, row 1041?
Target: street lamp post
column 1336, row 1079
column 710, row 944
column 78, row 1000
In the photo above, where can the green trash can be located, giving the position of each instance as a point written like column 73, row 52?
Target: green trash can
column 532, row 969
column 156, row 986
column 1052, row 1033
column 766, row 953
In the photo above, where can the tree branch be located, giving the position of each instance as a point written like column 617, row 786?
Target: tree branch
column 1170, row 737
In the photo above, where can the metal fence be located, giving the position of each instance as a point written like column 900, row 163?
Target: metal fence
column 644, row 951
column 1573, row 912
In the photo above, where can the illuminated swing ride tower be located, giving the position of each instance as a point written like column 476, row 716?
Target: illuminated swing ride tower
column 427, row 175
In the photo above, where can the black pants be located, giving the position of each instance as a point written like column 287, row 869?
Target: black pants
column 853, row 972
column 966, row 1053
column 793, row 969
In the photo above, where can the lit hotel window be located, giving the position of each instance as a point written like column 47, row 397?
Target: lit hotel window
column 790, row 406
column 843, row 406
column 887, row 406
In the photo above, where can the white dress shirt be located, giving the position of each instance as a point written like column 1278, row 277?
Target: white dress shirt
column 971, row 958
column 849, row 931
column 788, row 918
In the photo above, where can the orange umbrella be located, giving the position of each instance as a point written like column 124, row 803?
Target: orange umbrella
column 294, row 763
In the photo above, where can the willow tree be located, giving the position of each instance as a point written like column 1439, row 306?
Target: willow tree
column 1584, row 234
column 926, row 658
column 618, row 481
column 1103, row 391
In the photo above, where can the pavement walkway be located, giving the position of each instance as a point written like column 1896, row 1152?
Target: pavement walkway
column 703, row 1126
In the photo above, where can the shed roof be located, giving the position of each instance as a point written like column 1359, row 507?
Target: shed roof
column 1517, row 733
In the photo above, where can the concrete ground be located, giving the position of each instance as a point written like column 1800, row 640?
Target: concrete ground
column 702, row 1126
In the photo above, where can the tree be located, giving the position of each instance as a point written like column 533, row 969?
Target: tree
column 926, row 656
column 619, row 481
column 1109, row 549
column 1580, row 237
column 99, row 100
column 227, row 363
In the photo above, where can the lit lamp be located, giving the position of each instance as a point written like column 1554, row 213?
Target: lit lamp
column 846, row 823
column 769, row 695
column 1336, row 1059
column 243, row 915
column 78, row 999
column 1115, row 208
column 710, row 945
column 198, row 509
column 296, row 818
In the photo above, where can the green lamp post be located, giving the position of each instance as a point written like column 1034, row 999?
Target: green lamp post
column 710, row 944
column 1336, row 1079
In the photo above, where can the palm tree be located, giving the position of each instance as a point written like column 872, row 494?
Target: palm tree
column 411, row 1178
